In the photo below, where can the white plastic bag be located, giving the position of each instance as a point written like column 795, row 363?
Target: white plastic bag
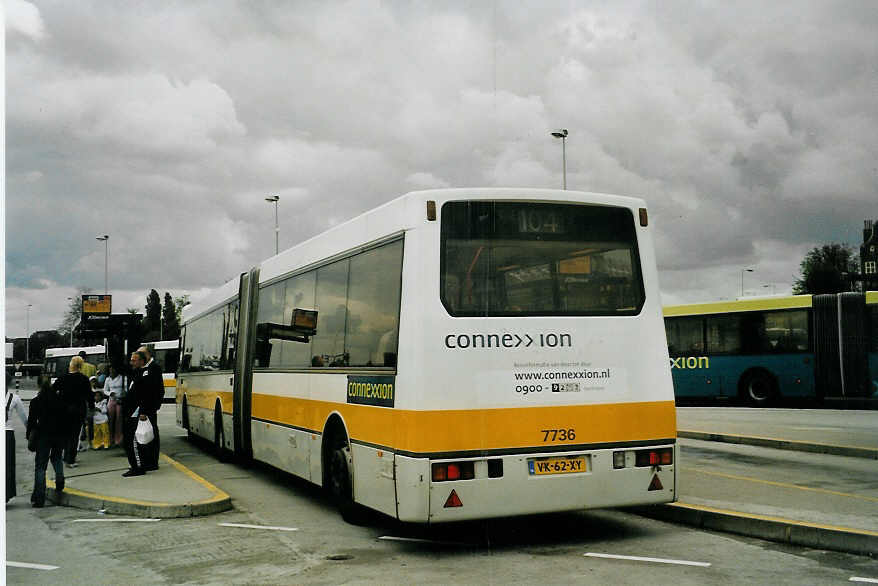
column 144, row 433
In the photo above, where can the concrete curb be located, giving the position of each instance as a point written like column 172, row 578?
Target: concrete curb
column 781, row 444
column 217, row 503
column 814, row 535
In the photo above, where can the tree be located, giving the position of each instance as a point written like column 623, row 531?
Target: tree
column 181, row 302
column 152, row 321
column 825, row 269
column 170, row 323
column 74, row 312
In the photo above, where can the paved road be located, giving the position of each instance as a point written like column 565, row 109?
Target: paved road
column 326, row 550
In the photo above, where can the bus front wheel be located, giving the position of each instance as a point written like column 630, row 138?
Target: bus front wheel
column 759, row 388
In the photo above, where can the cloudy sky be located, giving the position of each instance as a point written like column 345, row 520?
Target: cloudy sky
column 751, row 129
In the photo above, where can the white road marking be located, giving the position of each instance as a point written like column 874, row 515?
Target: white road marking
column 640, row 559
column 858, row 579
column 31, row 566
column 258, row 527
column 110, row 520
column 417, row 540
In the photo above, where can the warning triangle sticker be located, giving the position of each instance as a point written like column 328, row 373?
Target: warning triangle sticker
column 656, row 484
column 453, row 500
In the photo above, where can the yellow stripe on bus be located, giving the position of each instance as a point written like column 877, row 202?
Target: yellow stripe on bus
column 169, row 382
column 206, row 399
column 478, row 429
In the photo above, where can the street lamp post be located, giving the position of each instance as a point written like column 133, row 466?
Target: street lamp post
column 274, row 199
column 27, row 339
column 71, row 326
column 562, row 134
column 742, row 279
column 769, row 285
column 106, row 239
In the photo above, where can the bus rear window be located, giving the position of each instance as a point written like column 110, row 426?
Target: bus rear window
column 521, row 259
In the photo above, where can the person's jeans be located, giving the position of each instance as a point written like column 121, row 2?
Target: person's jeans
column 48, row 450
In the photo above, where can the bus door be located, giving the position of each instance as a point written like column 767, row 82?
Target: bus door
column 840, row 345
column 243, row 316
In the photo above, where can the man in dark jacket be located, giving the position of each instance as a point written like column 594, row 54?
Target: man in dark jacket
column 141, row 392
column 157, row 392
column 49, row 421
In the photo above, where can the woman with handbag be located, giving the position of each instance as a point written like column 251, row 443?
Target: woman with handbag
column 47, row 431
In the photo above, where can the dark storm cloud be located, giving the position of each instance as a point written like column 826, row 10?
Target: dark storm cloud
column 749, row 128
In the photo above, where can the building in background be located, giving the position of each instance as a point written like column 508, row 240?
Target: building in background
column 869, row 256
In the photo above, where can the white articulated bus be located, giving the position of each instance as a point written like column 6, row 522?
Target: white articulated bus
column 453, row 354
column 166, row 353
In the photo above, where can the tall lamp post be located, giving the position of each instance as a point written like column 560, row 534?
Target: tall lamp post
column 274, row 199
column 562, row 134
column 106, row 239
column 71, row 326
column 27, row 339
column 742, row 279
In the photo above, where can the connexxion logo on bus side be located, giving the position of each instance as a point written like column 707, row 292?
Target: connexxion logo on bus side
column 690, row 362
column 508, row 340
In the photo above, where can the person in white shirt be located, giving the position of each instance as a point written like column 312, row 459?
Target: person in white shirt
column 114, row 390
column 13, row 401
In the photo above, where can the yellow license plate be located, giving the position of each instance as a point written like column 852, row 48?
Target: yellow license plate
column 557, row 466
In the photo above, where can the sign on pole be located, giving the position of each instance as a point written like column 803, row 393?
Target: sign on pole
column 97, row 304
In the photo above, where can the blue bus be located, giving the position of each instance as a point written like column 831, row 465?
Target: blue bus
column 764, row 350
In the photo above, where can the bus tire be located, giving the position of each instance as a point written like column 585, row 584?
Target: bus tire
column 759, row 388
column 219, row 434
column 340, row 486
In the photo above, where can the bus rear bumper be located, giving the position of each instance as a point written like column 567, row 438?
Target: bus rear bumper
column 527, row 487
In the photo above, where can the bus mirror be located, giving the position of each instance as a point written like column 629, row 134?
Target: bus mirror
column 304, row 321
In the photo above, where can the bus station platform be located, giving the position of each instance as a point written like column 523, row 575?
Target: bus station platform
column 803, row 477
column 172, row 491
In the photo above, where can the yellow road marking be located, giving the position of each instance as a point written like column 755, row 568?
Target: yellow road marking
column 781, row 484
column 218, row 494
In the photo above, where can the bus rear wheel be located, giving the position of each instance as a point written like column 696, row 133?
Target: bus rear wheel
column 340, row 484
column 759, row 388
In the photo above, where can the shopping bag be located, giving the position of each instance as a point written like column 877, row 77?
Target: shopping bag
column 144, row 433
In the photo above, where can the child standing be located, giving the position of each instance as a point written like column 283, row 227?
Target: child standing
column 101, row 425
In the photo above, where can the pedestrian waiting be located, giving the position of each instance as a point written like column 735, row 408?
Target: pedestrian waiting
column 48, row 431
column 101, row 422
column 75, row 392
column 114, row 390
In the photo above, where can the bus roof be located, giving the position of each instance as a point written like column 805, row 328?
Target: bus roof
column 73, row 351
column 760, row 304
column 380, row 223
column 162, row 344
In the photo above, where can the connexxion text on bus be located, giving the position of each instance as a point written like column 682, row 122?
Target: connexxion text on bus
column 453, row 354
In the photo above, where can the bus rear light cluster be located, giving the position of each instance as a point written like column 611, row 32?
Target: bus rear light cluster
column 663, row 457
column 655, row 457
column 453, row 471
